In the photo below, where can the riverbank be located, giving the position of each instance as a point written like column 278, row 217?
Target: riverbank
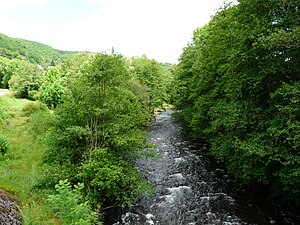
column 20, row 167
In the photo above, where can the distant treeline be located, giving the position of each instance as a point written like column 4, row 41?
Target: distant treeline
column 32, row 51
column 238, row 88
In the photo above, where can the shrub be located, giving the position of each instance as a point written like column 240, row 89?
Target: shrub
column 33, row 95
column 2, row 111
column 26, row 78
column 4, row 145
column 40, row 122
column 68, row 204
column 33, row 107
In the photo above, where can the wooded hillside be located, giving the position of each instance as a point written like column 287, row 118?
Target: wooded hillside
column 32, row 51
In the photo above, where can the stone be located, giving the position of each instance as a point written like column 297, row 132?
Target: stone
column 9, row 212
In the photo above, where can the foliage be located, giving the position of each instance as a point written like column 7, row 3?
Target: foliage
column 3, row 62
column 40, row 121
column 153, row 77
column 4, row 145
column 53, row 88
column 97, row 133
column 118, row 182
column 69, row 205
column 14, row 52
column 71, row 67
column 33, row 52
column 25, row 79
column 238, row 88
column 33, row 107
column 21, row 167
column 2, row 112
column 7, row 69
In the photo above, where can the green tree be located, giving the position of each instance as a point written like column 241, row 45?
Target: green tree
column 153, row 76
column 235, row 80
column 98, row 133
column 69, row 204
column 7, row 68
column 31, row 51
column 26, row 79
column 53, row 88
column 71, row 67
column 3, row 63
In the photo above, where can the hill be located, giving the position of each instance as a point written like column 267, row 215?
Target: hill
column 32, row 51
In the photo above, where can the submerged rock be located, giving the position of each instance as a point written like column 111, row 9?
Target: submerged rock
column 9, row 211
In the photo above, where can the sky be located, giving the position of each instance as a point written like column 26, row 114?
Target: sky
column 159, row 29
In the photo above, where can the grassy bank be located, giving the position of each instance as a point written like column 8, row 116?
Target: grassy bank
column 20, row 167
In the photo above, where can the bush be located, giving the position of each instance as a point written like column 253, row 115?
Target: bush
column 112, row 180
column 33, row 95
column 26, row 78
column 1, row 115
column 40, row 122
column 2, row 112
column 4, row 145
column 68, row 205
column 33, row 107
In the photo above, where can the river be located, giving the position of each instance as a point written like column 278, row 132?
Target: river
column 194, row 190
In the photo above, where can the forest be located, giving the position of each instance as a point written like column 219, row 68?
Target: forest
column 238, row 89
column 31, row 51
column 77, row 121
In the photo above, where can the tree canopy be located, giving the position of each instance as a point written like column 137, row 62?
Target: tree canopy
column 99, row 129
column 238, row 88
column 31, row 51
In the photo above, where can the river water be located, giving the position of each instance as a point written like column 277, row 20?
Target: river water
column 193, row 190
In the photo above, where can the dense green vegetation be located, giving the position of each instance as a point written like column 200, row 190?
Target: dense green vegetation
column 32, row 51
column 97, row 133
column 26, row 79
column 7, row 69
column 23, row 126
column 238, row 88
column 83, row 131
column 22, row 68
column 68, row 153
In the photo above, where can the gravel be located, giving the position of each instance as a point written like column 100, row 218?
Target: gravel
column 9, row 209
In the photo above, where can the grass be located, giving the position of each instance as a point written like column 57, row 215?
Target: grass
column 21, row 166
